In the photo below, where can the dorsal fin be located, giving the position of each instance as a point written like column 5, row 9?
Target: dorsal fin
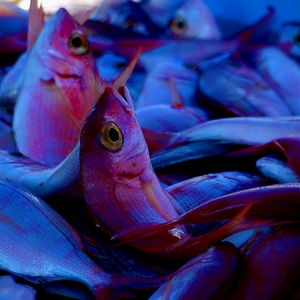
column 176, row 97
column 95, row 84
column 35, row 23
column 123, row 77
column 82, row 16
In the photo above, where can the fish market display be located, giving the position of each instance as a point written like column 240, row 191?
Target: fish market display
column 149, row 150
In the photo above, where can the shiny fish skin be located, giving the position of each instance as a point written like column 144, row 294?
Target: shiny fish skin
column 54, row 82
column 31, row 229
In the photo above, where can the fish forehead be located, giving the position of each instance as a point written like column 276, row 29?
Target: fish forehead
column 58, row 29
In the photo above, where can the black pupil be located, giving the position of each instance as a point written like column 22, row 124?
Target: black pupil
column 297, row 39
column 77, row 42
column 113, row 135
column 180, row 24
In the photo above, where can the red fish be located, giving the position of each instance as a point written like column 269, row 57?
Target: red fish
column 54, row 101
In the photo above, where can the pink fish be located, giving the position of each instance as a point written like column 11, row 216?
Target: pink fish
column 54, row 101
column 118, row 182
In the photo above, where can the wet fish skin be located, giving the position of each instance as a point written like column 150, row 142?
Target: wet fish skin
column 208, row 274
column 268, row 272
column 54, row 81
column 234, row 88
column 32, row 229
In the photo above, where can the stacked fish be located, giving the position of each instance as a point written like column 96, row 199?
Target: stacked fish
column 143, row 156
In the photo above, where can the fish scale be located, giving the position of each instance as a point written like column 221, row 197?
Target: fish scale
column 36, row 242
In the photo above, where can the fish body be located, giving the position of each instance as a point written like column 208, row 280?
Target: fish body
column 32, row 229
column 270, row 62
column 164, row 118
column 236, row 89
column 268, row 273
column 123, row 167
column 208, row 274
column 54, row 102
column 195, row 191
column 276, row 169
column 157, row 88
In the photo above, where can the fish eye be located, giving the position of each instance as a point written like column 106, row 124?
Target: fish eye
column 111, row 136
column 129, row 24
column 297, row 39
column 178, row 25
column 78, row 43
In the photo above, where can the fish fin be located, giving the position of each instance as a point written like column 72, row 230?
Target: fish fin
column 177, row 101
column 123, row 77
column 82, row 16
column 7, row 220
column 260, row 32
column 95, row 84
column 203, row 241
column 157, row 140
column 35, row 23
column 60, row 99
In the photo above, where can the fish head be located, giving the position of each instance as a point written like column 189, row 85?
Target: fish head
column 290, row 35
column 193, row 19
column 63, row 46
column 112, row 143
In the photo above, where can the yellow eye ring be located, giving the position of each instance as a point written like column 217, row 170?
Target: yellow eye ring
column 111, row 136
column 178, row 25
column 78, row 43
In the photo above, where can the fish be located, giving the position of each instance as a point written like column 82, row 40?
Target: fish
column 289, row 38
column 269, row 63
column 200, row 189
column 208, row 274
column 267, row 270
column 128, row 15
column 235, row 89
column 193, row 19
column 165, row 118
column 276, row 169
column 30, row 228
column 269, row 203
column 157, row 89
column 260, row 130
column 120, row 179
column 54, row 101
column 63, row 180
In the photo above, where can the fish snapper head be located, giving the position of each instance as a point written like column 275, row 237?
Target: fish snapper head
column 112, row 142
column 62, row 45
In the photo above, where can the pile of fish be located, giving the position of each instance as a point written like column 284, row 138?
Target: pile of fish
column 143, row 155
